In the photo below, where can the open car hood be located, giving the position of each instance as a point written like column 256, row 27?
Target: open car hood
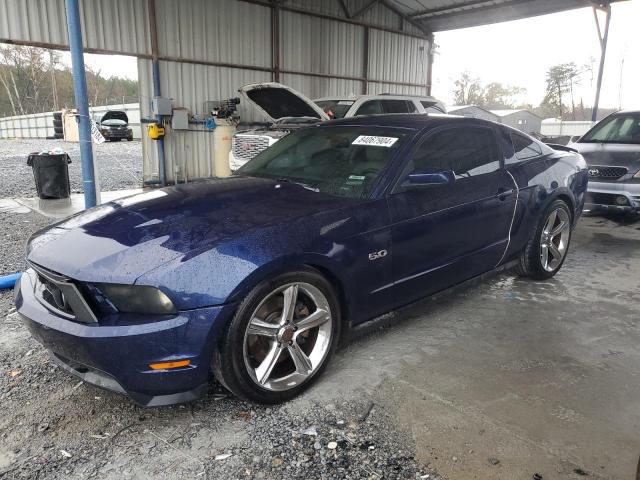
column 115, row 115
column 277, row 101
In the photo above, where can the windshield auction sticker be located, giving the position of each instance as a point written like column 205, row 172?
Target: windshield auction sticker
column 374, row 141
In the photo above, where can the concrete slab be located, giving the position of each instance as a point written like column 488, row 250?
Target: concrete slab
column 543, row 376
column 68, row 206
column 8, row 205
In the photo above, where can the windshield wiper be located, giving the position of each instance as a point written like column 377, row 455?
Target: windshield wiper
column 304, row 185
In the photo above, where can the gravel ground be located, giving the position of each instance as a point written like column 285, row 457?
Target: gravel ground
column 119, row 165
column 54, row 427
column 15, row 229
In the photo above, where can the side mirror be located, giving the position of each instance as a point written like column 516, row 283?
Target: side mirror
column 430, row 178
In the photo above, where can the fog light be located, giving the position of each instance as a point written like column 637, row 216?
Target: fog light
column 621, row 200
column 169, row 365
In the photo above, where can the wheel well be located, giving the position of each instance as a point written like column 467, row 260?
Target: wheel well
column 567, row 199
column 337, row 285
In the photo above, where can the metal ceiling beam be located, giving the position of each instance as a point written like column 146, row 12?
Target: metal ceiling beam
column 336, row 18
column 345, row 9
column 365, row 8
column 449, row 8
column 405, row 17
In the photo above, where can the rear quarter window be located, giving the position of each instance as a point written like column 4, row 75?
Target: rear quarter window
column 524, row 147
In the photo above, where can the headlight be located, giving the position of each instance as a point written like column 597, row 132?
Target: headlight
column 137, row 299
column 637, row 175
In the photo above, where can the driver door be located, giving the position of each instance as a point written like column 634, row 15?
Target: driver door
column 443, row 234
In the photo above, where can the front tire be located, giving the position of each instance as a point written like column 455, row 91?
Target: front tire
column 546, row 250
column 280, row 339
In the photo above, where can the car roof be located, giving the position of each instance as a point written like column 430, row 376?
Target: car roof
column 415, row 121
column 387, row 96
column 626, row 112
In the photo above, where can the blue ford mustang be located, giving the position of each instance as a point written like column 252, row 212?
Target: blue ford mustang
column 256, row 276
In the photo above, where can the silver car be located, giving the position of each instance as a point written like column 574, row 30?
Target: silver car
column 612, row 151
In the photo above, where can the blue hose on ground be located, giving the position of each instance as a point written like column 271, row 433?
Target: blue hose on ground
column 8, row 281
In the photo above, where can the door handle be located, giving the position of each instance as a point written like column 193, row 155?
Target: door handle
column 503, row 193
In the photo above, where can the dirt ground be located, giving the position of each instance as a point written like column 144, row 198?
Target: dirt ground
column 501, row 380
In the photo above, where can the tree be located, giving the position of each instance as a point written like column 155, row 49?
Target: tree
column 468, row 90
column 499, row 96
column 8, row 60
column 560, row 80
column 33, row 80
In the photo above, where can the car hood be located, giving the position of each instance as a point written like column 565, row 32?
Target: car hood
column 115, row 115
column 611, row 154
column 119, row 241
column 279, row 102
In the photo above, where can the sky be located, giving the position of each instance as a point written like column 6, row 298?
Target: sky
column 518, row 53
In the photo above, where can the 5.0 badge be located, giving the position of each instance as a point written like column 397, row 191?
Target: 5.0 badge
column 377, row 255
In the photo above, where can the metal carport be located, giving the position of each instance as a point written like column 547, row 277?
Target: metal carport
column 197, row 50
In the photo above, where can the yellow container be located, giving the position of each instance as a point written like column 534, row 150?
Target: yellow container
column 155, row 131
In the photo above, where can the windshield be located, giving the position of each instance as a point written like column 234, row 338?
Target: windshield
column 619, row 128
column 335, row 108
column 342, row 161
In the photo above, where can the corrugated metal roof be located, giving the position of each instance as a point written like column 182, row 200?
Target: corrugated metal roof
column 114, row 25
column 437, row 15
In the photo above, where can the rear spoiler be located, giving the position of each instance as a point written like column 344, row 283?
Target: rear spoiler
column 563, row 148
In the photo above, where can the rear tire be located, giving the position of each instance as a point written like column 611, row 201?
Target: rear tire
column 547, row 248
column 281, row 338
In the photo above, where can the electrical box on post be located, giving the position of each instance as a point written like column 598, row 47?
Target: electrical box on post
column 180, row 119
column 161, row 106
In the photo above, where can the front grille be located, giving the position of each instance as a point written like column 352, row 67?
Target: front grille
column 245, row 147
column 61, row 296
column 609, row 173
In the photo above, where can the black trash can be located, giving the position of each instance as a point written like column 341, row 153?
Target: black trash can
column 51, row 173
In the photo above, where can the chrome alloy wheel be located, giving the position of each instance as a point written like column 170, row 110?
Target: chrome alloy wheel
column 288, row 336
column 554, row 239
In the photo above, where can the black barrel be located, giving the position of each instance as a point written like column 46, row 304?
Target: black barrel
column 51, row 173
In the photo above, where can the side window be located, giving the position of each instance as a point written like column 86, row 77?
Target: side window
column 372, row 107
column 395, row 106
column 468, row 151
column 431, row 107
column 524, row 148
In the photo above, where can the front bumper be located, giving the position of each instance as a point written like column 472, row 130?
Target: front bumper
column 109, row 134
column 117, row 357
column 601, row 196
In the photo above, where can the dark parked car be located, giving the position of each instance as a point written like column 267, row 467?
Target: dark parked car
column 612, row 152
column 114, row 126
column 256, row 276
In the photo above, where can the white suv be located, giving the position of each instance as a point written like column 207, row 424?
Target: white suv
column 351, row 106
column 287, row 109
